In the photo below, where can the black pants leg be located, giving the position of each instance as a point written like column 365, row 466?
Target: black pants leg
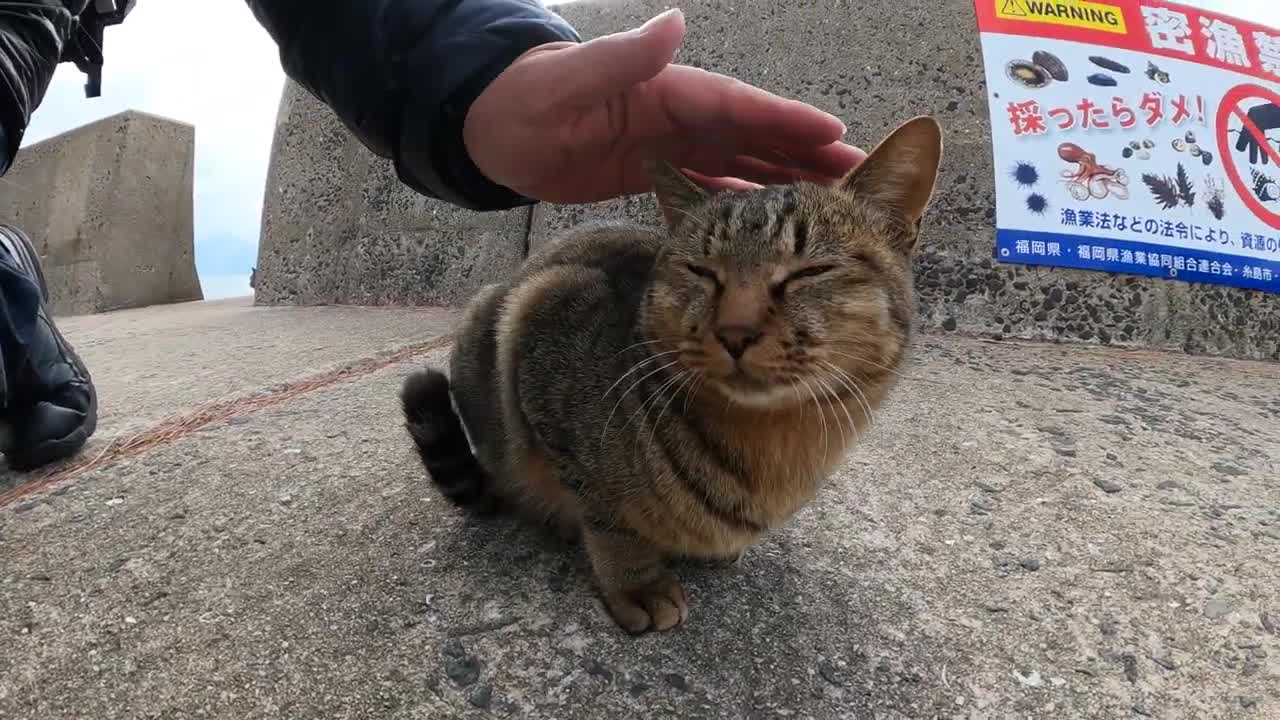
column 32, row 33
column 48, row 407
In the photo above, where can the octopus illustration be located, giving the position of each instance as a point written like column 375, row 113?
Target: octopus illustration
column 1091, row 178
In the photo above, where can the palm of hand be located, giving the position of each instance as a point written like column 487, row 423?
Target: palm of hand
column 573, row 123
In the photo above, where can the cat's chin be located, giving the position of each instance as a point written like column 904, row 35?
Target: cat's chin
column 761, row 396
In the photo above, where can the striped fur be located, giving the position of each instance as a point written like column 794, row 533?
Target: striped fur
column 441, row 442
column 684, row 392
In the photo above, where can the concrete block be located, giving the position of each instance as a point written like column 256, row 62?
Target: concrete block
column 109, row 208
column 338, row 227
column 876, row 64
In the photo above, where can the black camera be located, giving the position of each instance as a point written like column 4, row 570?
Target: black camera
column 84, row 47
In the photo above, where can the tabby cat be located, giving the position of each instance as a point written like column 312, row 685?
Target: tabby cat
column 682, row 393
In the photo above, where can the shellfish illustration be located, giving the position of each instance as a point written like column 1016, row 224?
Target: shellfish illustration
column 1109, row 64
column 1027, row 73
column 1187, row 144
column 1051, row 64
column 1043, row 68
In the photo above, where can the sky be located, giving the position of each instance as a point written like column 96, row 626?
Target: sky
column 216, row 69
column 220, row 71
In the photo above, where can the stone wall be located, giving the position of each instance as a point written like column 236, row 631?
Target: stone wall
column 873, row 64
column 109, row 208
column 339, row 228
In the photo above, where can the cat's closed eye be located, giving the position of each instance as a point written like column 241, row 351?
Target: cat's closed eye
column 809, row 272
column 779, row 289
column 703, row 272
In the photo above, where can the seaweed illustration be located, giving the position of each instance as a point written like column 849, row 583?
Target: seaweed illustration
column 1186, row 191
column 1216, row 207
column 1162, row 189
column 1167, row 191
column 1214, row 203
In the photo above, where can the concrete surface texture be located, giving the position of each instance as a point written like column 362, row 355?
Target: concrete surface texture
column 1029, row 531
column 876, row 64
column 339, row 227
column 109, row 208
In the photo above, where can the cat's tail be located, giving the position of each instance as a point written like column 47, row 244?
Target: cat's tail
column 442, row 443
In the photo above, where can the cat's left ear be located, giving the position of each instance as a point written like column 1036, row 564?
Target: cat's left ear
column 677, row 195
column 902, row 170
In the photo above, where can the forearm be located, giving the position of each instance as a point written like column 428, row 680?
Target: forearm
column 401, row 74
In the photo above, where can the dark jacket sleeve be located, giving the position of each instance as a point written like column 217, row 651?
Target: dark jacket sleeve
column 401, row 74
column 33, row 34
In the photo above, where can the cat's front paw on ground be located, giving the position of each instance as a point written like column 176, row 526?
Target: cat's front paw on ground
column 660, row 605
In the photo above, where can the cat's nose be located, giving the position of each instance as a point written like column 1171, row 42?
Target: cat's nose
column 736, row 339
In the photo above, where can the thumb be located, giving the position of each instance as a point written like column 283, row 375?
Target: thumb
column 597, row 69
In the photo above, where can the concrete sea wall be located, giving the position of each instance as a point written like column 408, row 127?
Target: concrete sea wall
column 338, row 228
column 109, row 208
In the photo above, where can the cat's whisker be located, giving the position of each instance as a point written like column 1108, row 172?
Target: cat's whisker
column 875, row 364
column 689, row 377
column 693, row 390
column 623, row 396
column 822, row 416
column 651, row 402
column 867, row 413
column 634, row 368
column 652, row 398
column 830, row 397
column 795, row 387
column 646, row 342
column 836, row 375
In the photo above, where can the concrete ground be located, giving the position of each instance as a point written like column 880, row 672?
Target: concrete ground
column 1031, row 531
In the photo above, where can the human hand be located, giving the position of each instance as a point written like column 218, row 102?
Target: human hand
column 574, row 123
column 1264, row 117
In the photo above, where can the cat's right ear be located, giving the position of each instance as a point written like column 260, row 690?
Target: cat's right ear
column 677, row 195
column 902, row 170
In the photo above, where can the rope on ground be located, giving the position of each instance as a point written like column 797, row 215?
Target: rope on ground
column 179, row 426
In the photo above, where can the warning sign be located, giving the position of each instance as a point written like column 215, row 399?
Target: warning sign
column 1072, row 13
column 1155, row 151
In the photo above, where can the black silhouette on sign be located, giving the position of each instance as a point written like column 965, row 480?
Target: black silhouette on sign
column 1264, row 117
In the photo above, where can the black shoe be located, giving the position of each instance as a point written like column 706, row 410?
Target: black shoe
column 53, row 407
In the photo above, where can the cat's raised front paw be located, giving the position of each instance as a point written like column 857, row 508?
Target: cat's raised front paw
column 660, row 605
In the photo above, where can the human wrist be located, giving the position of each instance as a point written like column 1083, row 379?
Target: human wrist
column 444, row 166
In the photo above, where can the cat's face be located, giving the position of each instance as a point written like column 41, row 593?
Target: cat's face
column 790, row 293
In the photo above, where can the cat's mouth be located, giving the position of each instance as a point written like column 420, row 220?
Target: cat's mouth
column 742, row 378
column 754, row 380
column 746, row 389
column 758, row 386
